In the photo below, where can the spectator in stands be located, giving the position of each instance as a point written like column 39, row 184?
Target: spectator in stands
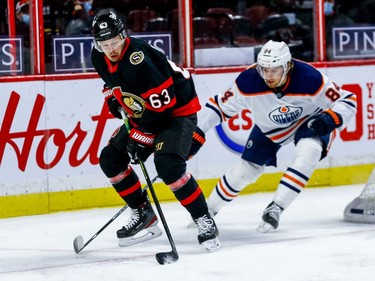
column 87, row 5
column 79, row 24
column 329, row 8
column 22, row 12
column 23, row 29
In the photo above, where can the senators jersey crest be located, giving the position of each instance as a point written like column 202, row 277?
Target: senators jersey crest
column 136, row 57
column 133, row 104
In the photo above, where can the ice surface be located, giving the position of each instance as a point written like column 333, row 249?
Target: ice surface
column 312, row 243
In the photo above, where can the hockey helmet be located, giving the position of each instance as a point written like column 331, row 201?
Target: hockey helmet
column 106, row 25
column 274, row 54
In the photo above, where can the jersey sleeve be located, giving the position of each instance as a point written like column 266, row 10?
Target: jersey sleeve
column 220, row 108
column 156, row 88
column 331, row 96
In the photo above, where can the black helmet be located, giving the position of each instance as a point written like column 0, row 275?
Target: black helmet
column 106, row 25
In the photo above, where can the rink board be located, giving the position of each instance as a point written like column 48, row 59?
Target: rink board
column 31, row 204
column 52, row 132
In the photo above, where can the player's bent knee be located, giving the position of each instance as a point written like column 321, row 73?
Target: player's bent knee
column 308, row 153
column 243, row 173
column 110, row 162
column 170, row 167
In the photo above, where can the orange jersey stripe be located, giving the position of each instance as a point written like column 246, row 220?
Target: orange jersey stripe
column 226, row 192
column 288, row 131
column 212, row 100
column 301, row 184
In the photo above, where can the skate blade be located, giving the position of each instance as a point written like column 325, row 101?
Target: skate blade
column 142, row 236
column 212, row 245
column 265, row 227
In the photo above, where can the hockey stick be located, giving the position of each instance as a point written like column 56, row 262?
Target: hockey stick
column 164, row 257
column 78, row 242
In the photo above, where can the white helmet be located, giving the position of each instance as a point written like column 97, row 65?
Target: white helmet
column 274, row 54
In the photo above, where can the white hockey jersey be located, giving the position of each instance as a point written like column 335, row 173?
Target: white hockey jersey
column 279, row 112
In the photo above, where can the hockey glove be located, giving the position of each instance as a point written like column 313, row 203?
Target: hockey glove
column 140, row 145
column 197, row 142
column 107, row 92
column 325, row 122
column 112, row 102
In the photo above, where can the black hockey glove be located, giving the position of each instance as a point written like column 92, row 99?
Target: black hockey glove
column 114, row 107
column 140, row 145
column 325, row 122
column 197, row 142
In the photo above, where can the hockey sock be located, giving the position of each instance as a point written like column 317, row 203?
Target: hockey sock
column 308, row 153
column 190, row 195
column 230, row 185
column 128, row 186
column 289, row 187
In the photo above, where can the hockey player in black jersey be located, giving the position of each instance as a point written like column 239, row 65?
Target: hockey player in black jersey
column 160, row 102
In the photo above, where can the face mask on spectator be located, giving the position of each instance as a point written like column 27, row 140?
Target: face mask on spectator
column 87, row 6
column 328, row 8
column 25, row 19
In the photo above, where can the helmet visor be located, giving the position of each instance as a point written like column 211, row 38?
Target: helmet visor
column 271, row 72
column 111, row 44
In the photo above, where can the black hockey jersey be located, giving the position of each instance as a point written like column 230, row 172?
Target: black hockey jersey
column 150, row 88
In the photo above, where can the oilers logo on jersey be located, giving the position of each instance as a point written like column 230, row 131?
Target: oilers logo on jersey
column 285, row 114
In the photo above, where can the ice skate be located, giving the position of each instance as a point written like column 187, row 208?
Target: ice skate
column 271, row 216
column 142, row 226
column 208, row 233
column 192, row 223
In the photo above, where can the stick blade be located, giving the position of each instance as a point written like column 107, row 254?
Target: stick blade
column 78, row 244
column 166, row 258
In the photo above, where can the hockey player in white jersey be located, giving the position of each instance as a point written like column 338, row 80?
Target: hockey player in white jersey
column 291, row 101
